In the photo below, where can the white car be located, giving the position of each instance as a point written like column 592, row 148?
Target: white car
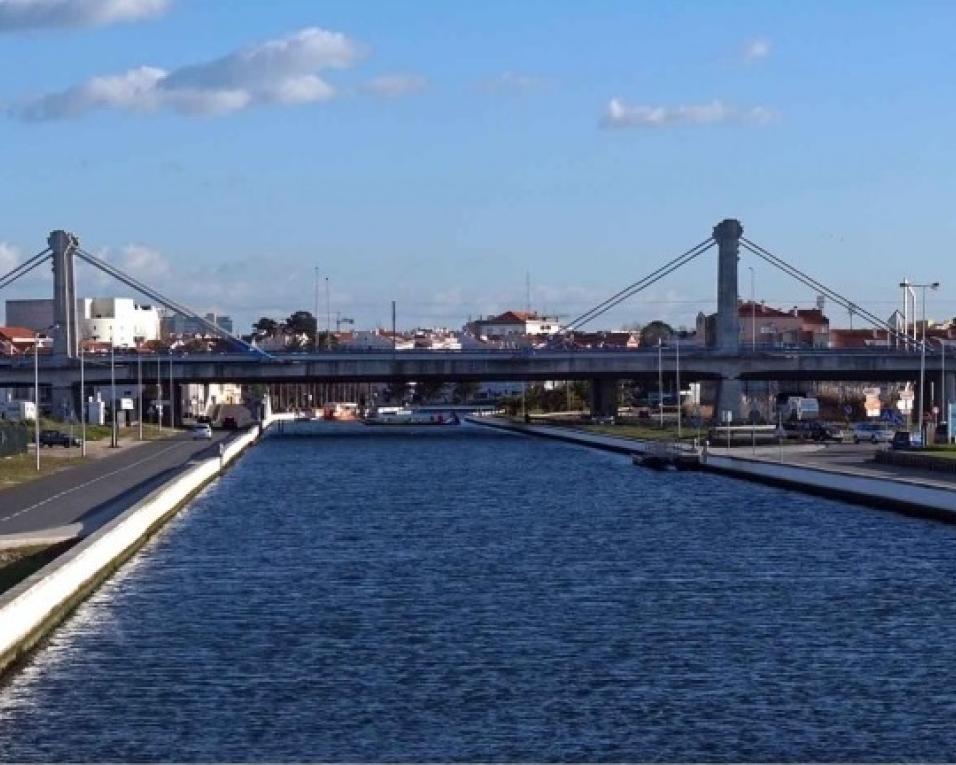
column 873, row 432
column 202, row 433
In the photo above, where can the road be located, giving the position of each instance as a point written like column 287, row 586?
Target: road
column 849, row 458
column 88, row 495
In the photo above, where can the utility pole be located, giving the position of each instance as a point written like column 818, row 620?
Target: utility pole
column 159, row 391
column 753, row 312
column 394, row 346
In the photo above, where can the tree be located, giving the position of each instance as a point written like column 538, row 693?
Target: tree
column 301, row 323
column 266, row 327
column 654, row 331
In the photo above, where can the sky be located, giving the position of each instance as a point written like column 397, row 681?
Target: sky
column 443, row 155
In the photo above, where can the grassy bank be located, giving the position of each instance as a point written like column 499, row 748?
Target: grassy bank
column 16, row 565
column 22, row 467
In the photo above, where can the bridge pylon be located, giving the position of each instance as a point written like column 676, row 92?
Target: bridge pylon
column 66, row 332
column 727, row 234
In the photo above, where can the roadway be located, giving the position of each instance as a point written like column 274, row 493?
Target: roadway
column 77, row 500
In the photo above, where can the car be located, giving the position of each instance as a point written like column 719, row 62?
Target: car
column 874, row 432
column 53, row 438
column 903, row 441
column 813, row 430
column 229, row 423
column 202, row 432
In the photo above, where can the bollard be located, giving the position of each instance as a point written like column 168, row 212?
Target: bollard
column 222, row 457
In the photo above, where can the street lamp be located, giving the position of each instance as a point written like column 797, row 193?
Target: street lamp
column 172, row 398
column 82, row 401
column 114, row 437
column 922, row 358
column 753, row 312
column 139, row 390
column 36, row 395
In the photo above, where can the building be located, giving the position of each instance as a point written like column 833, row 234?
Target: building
column 177, row 325
column 19, row 341
column 513, row 324
column 122, row 321
column 35, row 314
column 764, row 326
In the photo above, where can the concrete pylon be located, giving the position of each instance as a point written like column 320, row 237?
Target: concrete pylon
column 727, row 332
column 66, row 336
column 604, row 398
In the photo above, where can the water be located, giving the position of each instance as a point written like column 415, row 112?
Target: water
column 476, row 596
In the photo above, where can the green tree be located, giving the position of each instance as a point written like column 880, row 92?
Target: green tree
column 266, row 327
column 301, row 323
column 654, row 331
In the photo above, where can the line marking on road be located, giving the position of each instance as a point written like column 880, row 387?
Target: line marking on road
column 89, row 483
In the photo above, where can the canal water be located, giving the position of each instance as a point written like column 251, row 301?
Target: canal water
column 470, row 595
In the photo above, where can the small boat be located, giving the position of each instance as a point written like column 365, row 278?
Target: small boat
column 409, row 417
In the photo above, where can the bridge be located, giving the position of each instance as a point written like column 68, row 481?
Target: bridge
column 728, row 365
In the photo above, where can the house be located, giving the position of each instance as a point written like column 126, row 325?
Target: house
column 763, row 325
column 512, row 324
column 18, row 341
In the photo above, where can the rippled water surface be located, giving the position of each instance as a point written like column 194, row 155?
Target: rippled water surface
column 475, row 596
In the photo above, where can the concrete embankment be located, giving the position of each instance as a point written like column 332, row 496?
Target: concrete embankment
column 37, row 604
column 913, row 496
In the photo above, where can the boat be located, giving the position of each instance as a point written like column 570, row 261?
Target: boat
column 341, row 411
column 401, row 416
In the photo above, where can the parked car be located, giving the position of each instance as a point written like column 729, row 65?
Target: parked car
column 903, row 440
column 229, row 423
column 56, row 438
column 874, row 432
column 202, row 432
column 813, row 430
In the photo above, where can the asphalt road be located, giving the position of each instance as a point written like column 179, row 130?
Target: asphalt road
column 93, row 493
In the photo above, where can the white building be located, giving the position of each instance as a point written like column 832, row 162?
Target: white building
column 124, row 320
column 514, row 324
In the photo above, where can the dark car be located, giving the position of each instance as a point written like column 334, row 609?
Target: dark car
column 57, row 438
column 903, row 440
column 229, row 423
column 812, row 430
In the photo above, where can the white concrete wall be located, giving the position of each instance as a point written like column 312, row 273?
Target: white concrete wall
column 33, row 604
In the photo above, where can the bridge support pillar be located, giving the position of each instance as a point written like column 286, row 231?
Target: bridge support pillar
column 65, row 338
column 729, row 398
column 727, row 330
column 604, row 398
column 63, row 402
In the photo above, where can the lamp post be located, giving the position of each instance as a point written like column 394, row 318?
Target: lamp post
column 139, row 390
column 660, row 383
column 114, row 439
column 172, row 397
column 82, row 401
column 159, row 392
column 36, row 395
column 753, row 312
column 922, row 358
column 677, row 373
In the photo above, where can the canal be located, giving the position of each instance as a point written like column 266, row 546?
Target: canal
column 472, row 595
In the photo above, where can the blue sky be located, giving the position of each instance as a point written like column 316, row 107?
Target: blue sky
column 434, row 153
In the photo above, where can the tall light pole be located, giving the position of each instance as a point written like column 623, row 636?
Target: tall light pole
column 172, row 395
column 36, row 395
column 159, row 391
column 114, row 440
column 328, row 316
column 677, row 336
column 83, row 406
column 660, row 382
column 753, row 312
column 315, row 337
column 139, row 382
column 922, row 358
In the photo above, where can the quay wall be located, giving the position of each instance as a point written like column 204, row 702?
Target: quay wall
column 40, row 602
column 911, row 496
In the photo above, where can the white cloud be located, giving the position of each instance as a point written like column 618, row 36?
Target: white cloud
column 9, row 258
column 282, row 71
column 46, row 14
column 620, row 114
column 394, row 85
column 757, row 49
column 143, row 263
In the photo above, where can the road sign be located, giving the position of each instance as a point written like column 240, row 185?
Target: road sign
column 905, row 405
